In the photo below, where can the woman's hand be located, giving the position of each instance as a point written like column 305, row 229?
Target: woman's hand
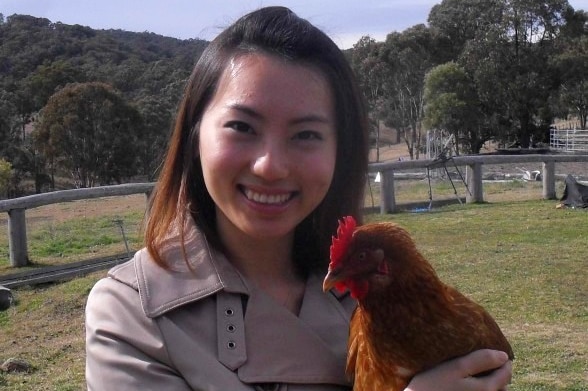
column 458, row 374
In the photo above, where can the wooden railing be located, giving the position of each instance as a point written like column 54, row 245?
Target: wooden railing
column 16, row 208
column 474, row 175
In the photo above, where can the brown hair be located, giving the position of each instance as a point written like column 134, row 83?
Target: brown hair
column 181, row 192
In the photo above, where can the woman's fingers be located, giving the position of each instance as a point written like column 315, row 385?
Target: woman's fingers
column 481, row 361
column 495, row 366
column 463, row 373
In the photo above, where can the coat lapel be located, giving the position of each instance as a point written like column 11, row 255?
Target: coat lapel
column 203, row 273
column 282, row 347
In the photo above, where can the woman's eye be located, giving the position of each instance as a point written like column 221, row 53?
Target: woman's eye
column 309, row 135
column 239, row 126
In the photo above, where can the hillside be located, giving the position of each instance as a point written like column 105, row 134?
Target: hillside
column 38, row 58
column 127, row 60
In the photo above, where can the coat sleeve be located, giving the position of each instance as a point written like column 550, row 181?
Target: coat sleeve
column 124, row 348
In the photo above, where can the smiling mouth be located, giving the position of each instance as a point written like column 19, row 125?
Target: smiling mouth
column 270, row 199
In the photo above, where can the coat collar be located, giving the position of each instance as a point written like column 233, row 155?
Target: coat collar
column 194, row 272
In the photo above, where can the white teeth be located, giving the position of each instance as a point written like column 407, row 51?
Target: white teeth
column 266, row 198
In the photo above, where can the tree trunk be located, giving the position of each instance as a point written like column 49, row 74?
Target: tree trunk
column 525, row 134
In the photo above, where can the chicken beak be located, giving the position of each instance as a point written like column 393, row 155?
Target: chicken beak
column 330, row 280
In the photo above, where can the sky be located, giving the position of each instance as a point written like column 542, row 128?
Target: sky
column 345, row 21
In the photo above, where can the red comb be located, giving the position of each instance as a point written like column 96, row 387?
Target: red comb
column 340, row 242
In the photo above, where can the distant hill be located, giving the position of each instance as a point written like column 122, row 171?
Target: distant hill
column 137, row 64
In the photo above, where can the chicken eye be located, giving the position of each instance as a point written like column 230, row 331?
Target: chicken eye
column 361, row 256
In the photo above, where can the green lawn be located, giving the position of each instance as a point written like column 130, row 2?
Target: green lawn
column 525, row 261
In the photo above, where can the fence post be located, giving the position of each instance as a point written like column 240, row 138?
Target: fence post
column 17, row 237
column 549, row 180
column 387, row 197
column 474, row 178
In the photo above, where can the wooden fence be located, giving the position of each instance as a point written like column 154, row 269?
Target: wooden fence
column 474, row 173
column 16, row 208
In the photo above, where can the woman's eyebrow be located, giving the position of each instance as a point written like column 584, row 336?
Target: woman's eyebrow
column 312, row 117
column 245, row 110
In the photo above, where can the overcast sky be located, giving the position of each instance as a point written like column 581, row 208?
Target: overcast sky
column 345, row 21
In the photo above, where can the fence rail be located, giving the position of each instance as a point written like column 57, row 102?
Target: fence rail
column 473, row 175
column 16, row 208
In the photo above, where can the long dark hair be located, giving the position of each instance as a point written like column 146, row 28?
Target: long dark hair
column 181, row 190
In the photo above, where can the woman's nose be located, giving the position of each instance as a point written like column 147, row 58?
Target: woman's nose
column 271, row 163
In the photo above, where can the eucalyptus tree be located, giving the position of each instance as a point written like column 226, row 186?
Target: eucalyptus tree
column 505, row 47
column 5, row 175
column 49, row 78
column 7, row 120
column 89, row 131
column 456, row 22
column 571, row 66
column 157, row 118
column 532, row 28
column 371, row 73
column 452, row 104
column 407, row 56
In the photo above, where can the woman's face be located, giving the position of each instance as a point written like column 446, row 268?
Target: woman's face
column 267, row 146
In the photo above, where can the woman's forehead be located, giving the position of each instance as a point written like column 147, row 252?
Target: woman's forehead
column 259, row 78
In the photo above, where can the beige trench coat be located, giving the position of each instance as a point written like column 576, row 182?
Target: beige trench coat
column 205, row 329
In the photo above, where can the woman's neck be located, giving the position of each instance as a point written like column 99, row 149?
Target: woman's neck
column 258, row 258
column 268, row 264
column 262, row 261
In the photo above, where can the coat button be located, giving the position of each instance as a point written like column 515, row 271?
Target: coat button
column 229, row 312
column 231, row 328
column 231, row 345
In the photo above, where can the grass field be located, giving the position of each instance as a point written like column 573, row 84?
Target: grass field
column 525, row 261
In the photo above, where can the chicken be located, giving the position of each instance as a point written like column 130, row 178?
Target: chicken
column 407, row 320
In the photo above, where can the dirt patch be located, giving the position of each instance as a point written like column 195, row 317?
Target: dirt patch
column 390, row 152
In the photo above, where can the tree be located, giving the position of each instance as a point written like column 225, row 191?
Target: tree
column 49, row 78
column 91, row 132
column 39, row 57
column 456, row 22
column 407, row 56
column 371, row 73
column 572, row 95
column 452, row 104
column 532, row 29
column 157, row 119
column 7, row 120
column 5, row 175
column 505, row 47
column 571, row 65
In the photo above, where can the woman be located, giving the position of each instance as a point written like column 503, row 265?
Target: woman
column 269, row 150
